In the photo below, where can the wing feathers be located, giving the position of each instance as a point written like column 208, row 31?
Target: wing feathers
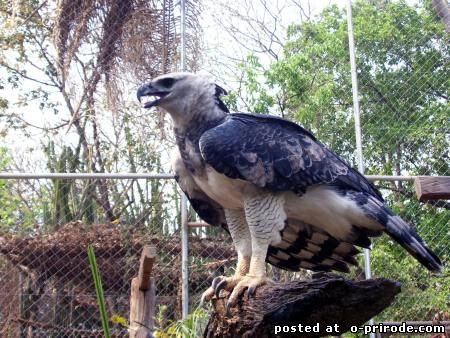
column 208, row 210
column 408, row 238
column 394, row 226
column 276, row 154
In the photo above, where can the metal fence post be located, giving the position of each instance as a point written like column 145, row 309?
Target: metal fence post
column 184, row 257
column 183, row 36
column 351, row 46
column 184, row 225
column 360, row 157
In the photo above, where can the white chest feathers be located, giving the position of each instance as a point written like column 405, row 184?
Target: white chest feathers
column 229, row 193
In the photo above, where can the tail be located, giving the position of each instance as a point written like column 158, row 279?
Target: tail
column 399, row 230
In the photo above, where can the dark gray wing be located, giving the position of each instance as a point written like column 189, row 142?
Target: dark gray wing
column 206, row 208
column 277, row 154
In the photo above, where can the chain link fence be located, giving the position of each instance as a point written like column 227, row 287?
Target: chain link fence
column 403, row 67
column 46, row 288
column 46, row 284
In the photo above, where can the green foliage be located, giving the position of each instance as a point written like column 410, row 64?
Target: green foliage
column 15, row 215
column 422, row 294
column 257, row 94
column 404, row 81
column 191, row 327
column 119, row 320
column 403, row 72
column 403, row 85
column 8, row 205
column 230, row 101
column 62, row 188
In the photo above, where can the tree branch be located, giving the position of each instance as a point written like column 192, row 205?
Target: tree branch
column 326, row 301
column 21, row 74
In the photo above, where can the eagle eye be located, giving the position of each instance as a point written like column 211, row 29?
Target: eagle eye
column 167, row 82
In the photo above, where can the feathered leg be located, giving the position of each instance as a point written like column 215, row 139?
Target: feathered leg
column 240, row 234
column 266, row 218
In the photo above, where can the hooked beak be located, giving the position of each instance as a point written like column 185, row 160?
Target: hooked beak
column 148, row 90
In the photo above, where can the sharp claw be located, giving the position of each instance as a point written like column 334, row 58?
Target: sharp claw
column 216, row 281
column 207, row 295
column 228, row 310
column 219, row 287
column 251, row 291
column 202, row 300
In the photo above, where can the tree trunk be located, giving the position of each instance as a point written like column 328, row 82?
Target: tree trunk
column 442, row 9
column 328, row 304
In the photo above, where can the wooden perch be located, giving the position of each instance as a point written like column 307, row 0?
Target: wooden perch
column 142, row 299
column 323, row 302
column 430, row 188
column 146, row 266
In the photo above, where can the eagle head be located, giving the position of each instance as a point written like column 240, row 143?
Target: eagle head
column 183, row 95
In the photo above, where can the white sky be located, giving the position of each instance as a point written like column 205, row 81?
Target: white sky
column 219, row 46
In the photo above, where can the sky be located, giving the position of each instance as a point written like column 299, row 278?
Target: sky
column 224, row 40
column 225, row 32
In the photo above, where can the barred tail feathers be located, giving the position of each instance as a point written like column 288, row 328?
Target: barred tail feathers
column 407, row 237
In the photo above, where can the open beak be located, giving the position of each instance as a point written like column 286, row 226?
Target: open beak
column 148, row 90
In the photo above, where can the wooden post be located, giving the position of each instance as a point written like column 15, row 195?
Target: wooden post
column 142, row 299
column 430, row 188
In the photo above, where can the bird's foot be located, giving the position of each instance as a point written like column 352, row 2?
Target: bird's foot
column 218, row 284
column 249, row 282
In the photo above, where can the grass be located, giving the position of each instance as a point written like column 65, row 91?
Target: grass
column 99, row 291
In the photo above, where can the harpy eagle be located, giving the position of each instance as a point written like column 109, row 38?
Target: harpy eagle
column 285, row 198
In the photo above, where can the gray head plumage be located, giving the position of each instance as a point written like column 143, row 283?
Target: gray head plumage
column 185, row 96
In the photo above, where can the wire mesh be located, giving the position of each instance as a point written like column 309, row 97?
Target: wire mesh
column 402, row 56
column 92, row 53
column 402, row 53
column 47, row 286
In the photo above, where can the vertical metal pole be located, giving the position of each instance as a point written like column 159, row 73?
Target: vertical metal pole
column 351, row 47
column 183, row 36
column 184, row 258
column 184, row 221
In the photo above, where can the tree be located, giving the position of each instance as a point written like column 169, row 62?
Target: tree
column 403, row 72
column 16, row 216
column 75, row 64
